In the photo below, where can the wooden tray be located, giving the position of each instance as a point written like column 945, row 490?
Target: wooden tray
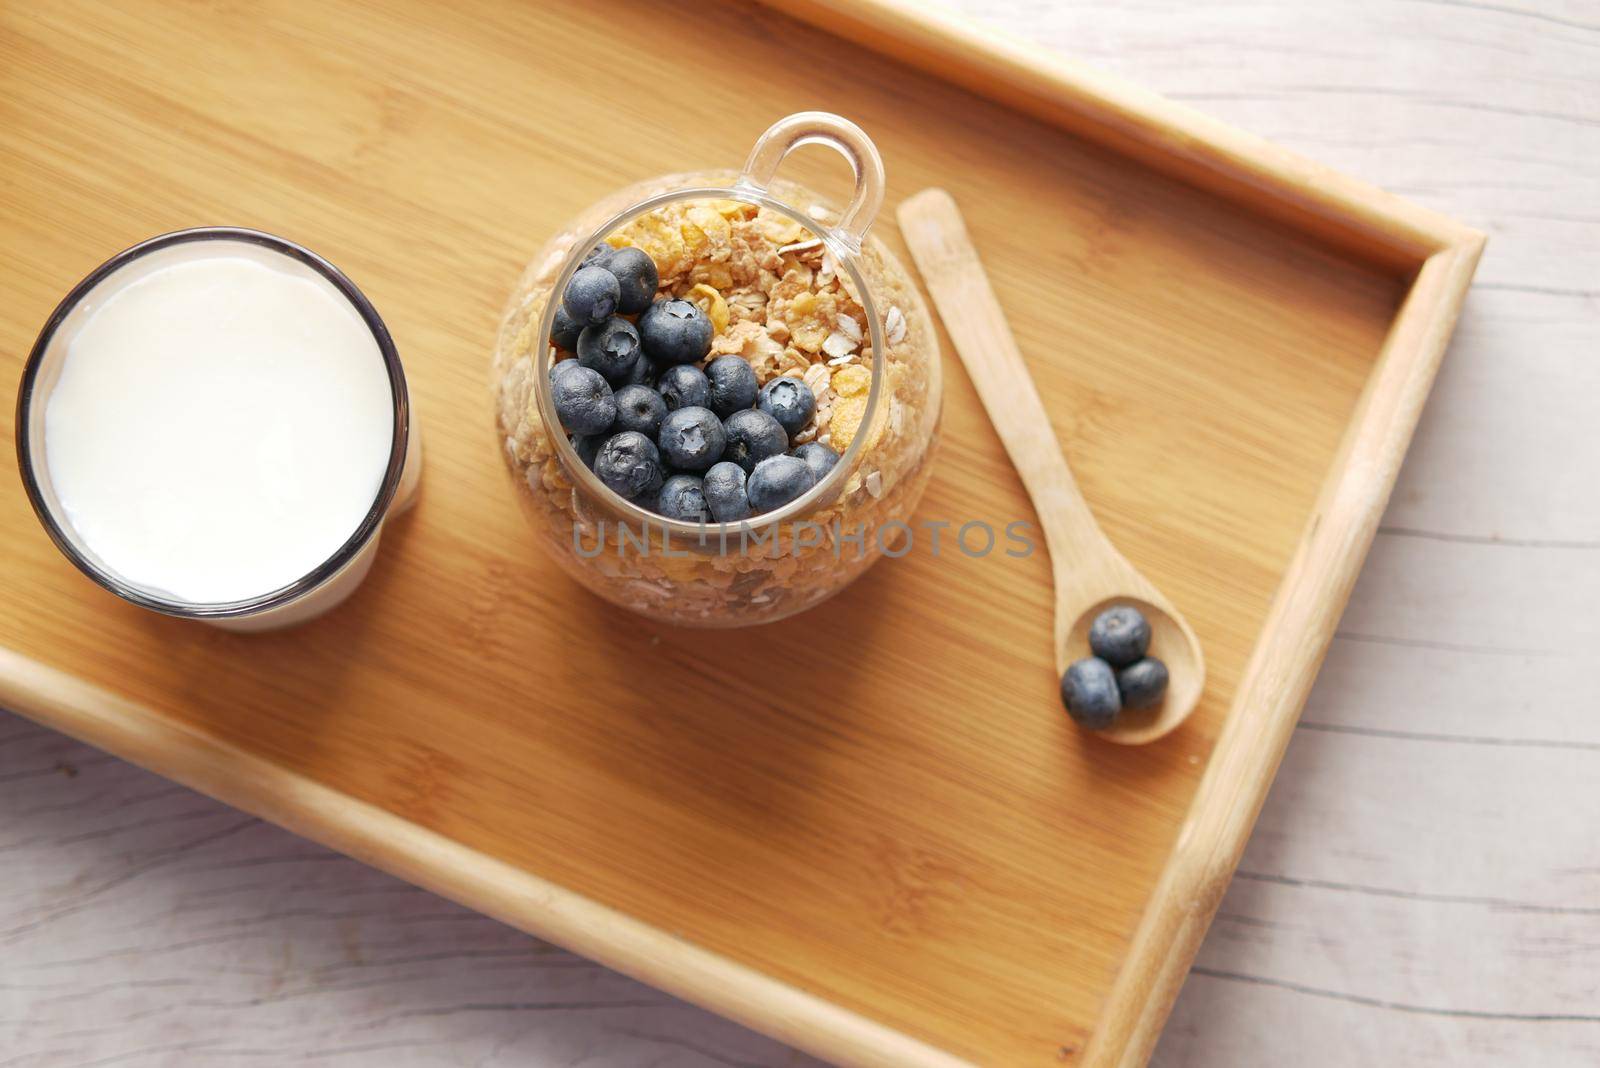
column 870, row 832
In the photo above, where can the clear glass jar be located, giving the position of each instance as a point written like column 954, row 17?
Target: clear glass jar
column 796, row 288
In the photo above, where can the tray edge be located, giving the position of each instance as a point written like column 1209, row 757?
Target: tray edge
column 1278, row 677
column 1171, row 137
column 1261, row 721
column 1353, row 216
column 452, row 870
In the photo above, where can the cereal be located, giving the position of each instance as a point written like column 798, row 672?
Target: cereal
column 839, row 344
column 816, row 378
column 847, row 326
column 712, row 303
column 846, row 421
column 852, row 381
column 894, row 325
column 779, row 228
column 807, row 320
column 778, row 299
column 710, row 222
column 801, row 246
column 716, row 276
column 663, row 241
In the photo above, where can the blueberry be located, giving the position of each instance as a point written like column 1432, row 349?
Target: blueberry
column 776, row 481
column 789, row 401
column 560, row 367
column 565, row 330
column 675, row 331
column 753, row 436
column 733, row 385
column 683, row 385
column 583, row 400
column 642, row 374
column 592, row 295
column 724, row 492
column 611, row 347
column 1119, row 635
column 1089, row 690
column 587, row 445
column 597, row 256
column 629, row 464
column 647, row 497
column 640, row 408
column 1142, row 683
column 692, row 439
column 683, row 498
column 635, row 273
column 818, row 457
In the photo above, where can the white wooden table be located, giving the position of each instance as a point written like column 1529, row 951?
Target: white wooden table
column 1424, row 885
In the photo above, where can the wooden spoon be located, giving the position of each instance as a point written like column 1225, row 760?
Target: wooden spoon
column 1090, row 574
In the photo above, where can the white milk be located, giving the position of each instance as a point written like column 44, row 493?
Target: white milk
column 221, row 424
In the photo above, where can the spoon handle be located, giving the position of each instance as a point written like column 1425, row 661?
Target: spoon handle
column 937, row 236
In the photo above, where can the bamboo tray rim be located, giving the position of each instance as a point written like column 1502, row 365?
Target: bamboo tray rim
column 1173, row 137
column 1440, row 255
column 443, row 866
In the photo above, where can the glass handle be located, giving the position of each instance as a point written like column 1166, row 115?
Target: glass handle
column 845, row 138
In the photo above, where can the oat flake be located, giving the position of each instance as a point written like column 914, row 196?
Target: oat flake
column 839, row 344
column 894, row 325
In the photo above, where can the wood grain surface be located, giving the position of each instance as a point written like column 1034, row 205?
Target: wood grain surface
column 879, row 805
column 1379, row 853
column 1088, row 572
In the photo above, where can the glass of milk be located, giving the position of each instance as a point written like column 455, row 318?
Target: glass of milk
column 214, row 425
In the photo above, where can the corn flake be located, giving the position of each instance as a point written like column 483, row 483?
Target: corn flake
column 779, row 228
column 808, row 326
column 712, row 303
column 710, row 222
column 846, row 421
column 852, row 381
column 733, row 209
column 661, row 240
column 711, row 273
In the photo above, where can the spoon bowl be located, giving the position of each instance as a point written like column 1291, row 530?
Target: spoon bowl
column 1171, row 642
column 1090, row 574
